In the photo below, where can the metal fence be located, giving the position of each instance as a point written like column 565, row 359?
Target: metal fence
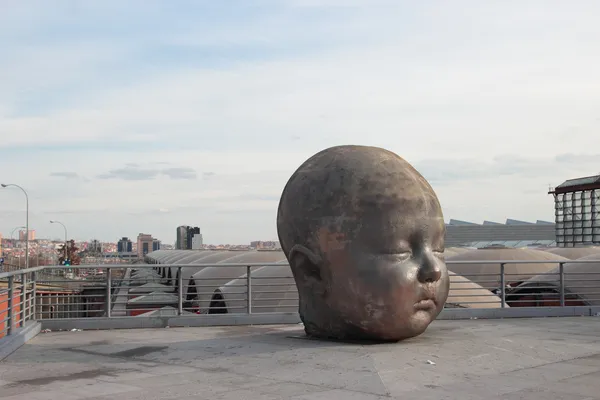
column 94, row 295
column 17, row 299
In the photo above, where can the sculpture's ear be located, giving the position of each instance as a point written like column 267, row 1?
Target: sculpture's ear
column 306, row 262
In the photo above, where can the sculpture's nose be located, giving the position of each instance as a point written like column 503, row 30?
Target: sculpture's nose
column 429, row 268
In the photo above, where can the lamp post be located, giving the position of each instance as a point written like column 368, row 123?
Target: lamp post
column 13, row 231
column 4, row 185
column 66, row 236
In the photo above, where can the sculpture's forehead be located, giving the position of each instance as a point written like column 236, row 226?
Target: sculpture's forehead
column 351, row 187
column 355, row 158
column 360, row 167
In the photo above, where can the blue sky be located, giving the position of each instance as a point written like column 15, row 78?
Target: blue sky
column 128, row 117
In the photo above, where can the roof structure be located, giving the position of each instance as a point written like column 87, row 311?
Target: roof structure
column 154, row 298
column 513, row 233
column 578, row 184
column 204, row 257
column 163, row 312
column 139, row 280
column 273, row 290
column 581, row 280
column 143, row 272
column 488, row 275
column 509, row 221
column 466, row 294
column 574, row 253
column 190, row 257
column 212, row 278
column 149, row 288
column 453, row 251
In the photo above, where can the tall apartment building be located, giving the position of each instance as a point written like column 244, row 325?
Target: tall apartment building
column 197, row 241
column 181, row 237
column 185, row 237
column 23, row 235
column 144, row 244
column 124, row 245
column 190, row 236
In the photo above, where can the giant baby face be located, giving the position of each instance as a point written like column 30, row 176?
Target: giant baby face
column 364, row 234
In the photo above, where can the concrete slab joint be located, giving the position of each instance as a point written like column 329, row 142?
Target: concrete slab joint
column 11, row 343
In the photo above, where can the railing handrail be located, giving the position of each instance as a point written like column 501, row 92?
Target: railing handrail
column 23, row 304
column 265, row 264
column 273, row 264
column 21, row 271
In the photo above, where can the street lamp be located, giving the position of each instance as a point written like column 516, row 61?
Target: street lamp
column 13, row 231
column 66, row 240
column 4, row 185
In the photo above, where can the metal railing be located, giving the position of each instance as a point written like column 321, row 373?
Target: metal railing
column 17, row 299
column 60, row 298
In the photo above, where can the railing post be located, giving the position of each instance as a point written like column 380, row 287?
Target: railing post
column 502, row 286
column 561, row 269
column 248, row 291
column 23, row 300
column 11, row 308
column 34, row 295
column 179, row 291
column 108, row 291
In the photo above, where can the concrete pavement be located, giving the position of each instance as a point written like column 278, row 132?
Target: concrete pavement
column 549, row 358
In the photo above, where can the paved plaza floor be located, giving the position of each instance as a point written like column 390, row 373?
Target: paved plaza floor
column 549, row 358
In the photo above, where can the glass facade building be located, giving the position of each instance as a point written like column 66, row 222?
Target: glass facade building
column 124, row 245
column 576, row 204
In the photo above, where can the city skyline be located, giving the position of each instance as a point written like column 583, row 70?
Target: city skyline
column 145, row 116
column 163, row 244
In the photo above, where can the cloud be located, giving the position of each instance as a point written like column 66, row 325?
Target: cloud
column 66, row 175
column 558, row 168
column 356, row 87
column 180, row 173
column 131, row 173
column 134, row 172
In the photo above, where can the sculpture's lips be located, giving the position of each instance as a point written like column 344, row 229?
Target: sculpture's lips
column 425, row 305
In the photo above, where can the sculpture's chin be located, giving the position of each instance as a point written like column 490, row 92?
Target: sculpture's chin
column 393, row 331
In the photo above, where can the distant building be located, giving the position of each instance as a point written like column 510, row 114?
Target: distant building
column 185, row 237
column 577, row 212
column 181, row 237
column 512, row 233
column 270, row 244
column 155, row 245
column 144, row 244
column 191, row 232
column 23, row 235
column 95, row 246
column 124, row 245
column 197, row 241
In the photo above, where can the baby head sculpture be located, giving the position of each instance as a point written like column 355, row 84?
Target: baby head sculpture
column 363, row 232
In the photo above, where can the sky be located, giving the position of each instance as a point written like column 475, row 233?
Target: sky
column 121, row 118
